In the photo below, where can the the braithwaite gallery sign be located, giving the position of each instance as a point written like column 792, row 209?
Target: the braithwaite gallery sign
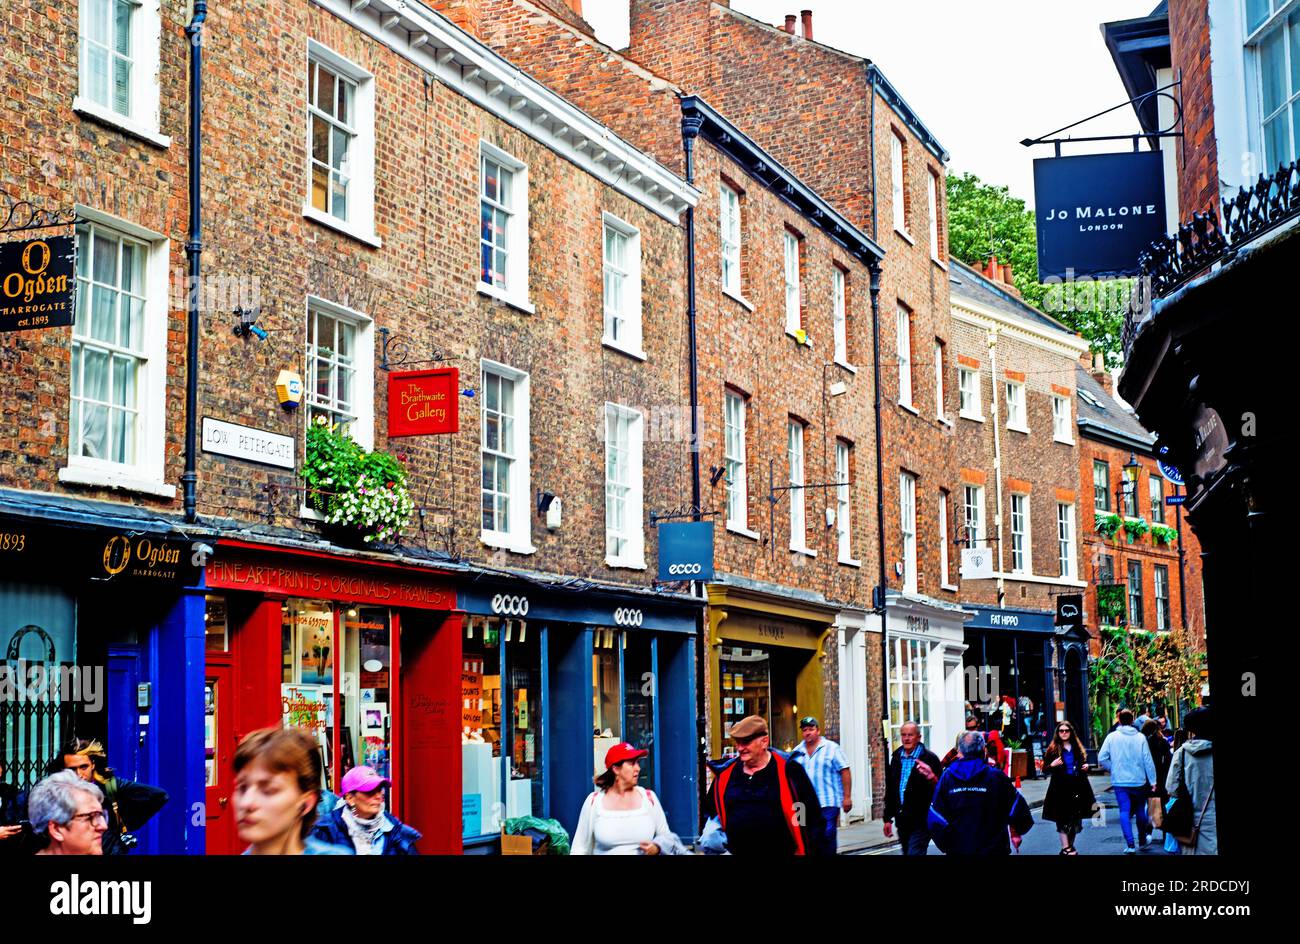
column 1096, row 213
column 37, row 283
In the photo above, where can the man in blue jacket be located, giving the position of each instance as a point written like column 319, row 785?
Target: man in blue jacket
column 975, row 804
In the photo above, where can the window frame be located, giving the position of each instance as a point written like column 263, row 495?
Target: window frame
column 144, row 86
column 360, row 224
column 1282, row 18
column 976, row 394
column 978, row 518
column 730, row 248
column 1135, row 601
column 840, row 315
column 634, row 507
column 362, row 428
column 517, row 536
column 1160, row 591
column 516, row 291
column 633, row 314
column 1061, row 419
column 844, row 502
column 939, row 351
column 944, row 552
column 903, row 355
column 907, row 483
column 1022, row 402
column 1026, row 547
column 796, row 456
column 737, row 487
column 933, row 195
column 1156, row 498
column 1067, row 556
column 1097, row 466
column 792, row 273
column 147, row 472
column 898, row 181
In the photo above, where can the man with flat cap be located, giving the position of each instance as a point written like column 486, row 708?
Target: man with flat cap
column 764, row 801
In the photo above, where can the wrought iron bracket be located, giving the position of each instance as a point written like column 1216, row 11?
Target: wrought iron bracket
column 680, row 513
column 23, row 215
column 396, row 351
column 1162, row 92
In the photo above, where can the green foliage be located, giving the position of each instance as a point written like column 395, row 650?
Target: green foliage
column 1135, row 528
column 1107, row 524
column 1163, row 534
column 984, row 220
column 1111, row 604
column 1136, row 669
column 364, row 491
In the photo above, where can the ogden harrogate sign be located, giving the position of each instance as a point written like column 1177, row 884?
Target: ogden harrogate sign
column 424, row 402
column 37, row 283
column 1096, row 213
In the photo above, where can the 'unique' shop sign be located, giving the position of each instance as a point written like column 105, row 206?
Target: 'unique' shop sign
column 424, row 402
column 37, row 283
column 1096, row 213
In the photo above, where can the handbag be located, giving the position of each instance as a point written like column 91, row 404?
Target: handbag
column 1156, row 812
column 1187, row 832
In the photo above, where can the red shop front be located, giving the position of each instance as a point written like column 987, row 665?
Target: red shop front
column 364, row 655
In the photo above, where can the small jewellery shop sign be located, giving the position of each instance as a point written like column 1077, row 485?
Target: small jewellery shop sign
column 247, row 443
column 37, row 283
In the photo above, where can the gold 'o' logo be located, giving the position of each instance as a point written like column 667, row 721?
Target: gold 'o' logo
column 45, row 259
column 117, row 554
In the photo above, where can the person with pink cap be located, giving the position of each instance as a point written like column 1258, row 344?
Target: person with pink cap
column 620, row 817
column 360, row 823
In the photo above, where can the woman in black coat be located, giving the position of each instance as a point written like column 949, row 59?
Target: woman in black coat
column 1162, row 754
column 1069, row 795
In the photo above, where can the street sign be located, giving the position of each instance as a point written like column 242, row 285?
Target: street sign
column 1175, row 499
column 976, row 563
column 1170, row 471
column 686, row 551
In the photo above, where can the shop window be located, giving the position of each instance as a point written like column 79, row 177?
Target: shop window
column 607, row 695
column 639, row 691
column 909, row 684
column 745, row 680
column 215, row 624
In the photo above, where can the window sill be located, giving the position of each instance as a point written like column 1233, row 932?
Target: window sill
column 1034, row 578
column 506, row 543
column 849, row 562
column 307, row 513
column 973, row 419
column 743, row 532
column 909, row 408
column 950, row 587
column 945, row 421
column 1064, row 442
column 625, row 563
column 806, row 342
column 805, row 551
column 635, row 354
column 846, row 365
column 1018, row 429
column 906, row 235
column 106, row 116
column 126, row 480
column 744, row 302
column 501, row 295
column 340, row 226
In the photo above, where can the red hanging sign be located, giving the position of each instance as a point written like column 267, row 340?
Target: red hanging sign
column 424, row 402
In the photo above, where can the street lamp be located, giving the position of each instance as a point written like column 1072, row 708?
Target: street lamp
column 1128, row 486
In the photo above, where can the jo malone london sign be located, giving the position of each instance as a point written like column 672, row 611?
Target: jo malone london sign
column 1096, row 213
column 244, row 442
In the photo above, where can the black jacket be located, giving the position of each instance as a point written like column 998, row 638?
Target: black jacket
column 812, row 829
column 1163, row 756
column 1069, row 795
column 972, row 808
column 129, row 806
column 400, row 840
column 909, row 812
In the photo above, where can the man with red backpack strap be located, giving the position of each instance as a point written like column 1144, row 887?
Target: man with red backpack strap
column 765, row 803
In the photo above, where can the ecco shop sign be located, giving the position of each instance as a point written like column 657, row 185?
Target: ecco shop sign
column 1096, row 213
column 686, row 551
column 504, row 605
column 626, row 616
column 37, row 283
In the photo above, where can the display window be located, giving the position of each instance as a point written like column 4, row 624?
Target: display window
column 494, row 716
column 364, row 661
column 746, row 689
column 638, row 701
column 909, row 682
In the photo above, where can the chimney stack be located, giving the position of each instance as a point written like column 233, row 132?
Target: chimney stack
column 789, row 23
column 806, row 16
column 575, row 6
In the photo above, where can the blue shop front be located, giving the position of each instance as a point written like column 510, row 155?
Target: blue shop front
column 1037, row 669
column 101, row 636
column 554, row 674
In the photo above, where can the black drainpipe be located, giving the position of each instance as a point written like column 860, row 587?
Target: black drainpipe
column 879, row 600
column 193, row 250
column 690, row 131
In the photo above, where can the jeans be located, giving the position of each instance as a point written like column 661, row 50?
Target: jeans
column 915, row 842
column 832, row 816
column 1133, row 800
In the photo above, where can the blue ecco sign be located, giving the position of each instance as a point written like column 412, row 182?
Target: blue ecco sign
column 686, row 551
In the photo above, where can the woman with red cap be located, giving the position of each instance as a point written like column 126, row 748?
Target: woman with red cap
column 621, row 818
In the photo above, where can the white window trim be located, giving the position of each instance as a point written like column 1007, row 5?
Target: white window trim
column 898, row 184
column 939, row 390
column 516, row 293
column 146, row 474
column 907, row 485
column 728, row 288
column 634, row 559
column 798, row 536
column 943, row 538
column 793, row 315
column 978, row 415
column 632, row 299
column 1024, row 406
column 980, row 534
column 146, row 41
column 1072, row 553
column 933, row 197
column 1065, row 401
column 844, row 495
column 1028, row 569
column 903, row 360
column 738, row 525
column 361, row 195
column 840, row 318
column 518, row 538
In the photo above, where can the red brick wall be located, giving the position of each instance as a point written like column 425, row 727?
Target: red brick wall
column 1144, row 549
column 1198, row 167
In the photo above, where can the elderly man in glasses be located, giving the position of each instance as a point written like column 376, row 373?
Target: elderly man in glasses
column 67, row 815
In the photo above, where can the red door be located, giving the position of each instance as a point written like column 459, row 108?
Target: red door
column 219, row 750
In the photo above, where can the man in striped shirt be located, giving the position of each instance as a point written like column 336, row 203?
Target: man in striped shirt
column 828, row 769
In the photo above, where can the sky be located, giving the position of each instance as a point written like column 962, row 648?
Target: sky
column 981, row 76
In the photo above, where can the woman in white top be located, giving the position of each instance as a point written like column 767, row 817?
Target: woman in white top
column 621, row 818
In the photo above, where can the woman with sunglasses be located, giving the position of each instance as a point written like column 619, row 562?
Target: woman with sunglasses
column 1069, row 795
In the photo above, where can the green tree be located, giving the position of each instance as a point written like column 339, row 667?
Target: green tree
column 984, row 219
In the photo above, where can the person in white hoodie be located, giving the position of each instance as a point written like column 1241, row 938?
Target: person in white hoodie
column 1127, row 756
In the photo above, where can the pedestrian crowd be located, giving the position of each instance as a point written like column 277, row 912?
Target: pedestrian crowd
column 760, row 801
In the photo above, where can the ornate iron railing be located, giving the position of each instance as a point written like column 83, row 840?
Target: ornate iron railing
column 1172, row 261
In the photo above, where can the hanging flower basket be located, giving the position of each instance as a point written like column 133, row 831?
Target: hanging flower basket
column 363, row 495
column 1107, row 525
column 1135, row 527
column 1163, row 534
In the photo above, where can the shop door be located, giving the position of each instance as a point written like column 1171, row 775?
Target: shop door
column 218, row 752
